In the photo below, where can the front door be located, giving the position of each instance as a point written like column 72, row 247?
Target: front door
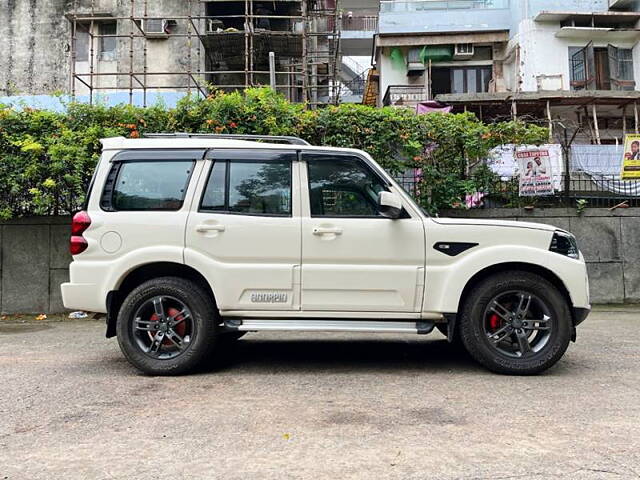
column 243, row 233
column 353, row 258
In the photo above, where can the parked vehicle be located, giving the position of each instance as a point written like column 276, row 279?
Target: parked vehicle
column 189, row 240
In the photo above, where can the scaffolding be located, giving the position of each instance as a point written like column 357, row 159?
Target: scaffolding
column 208, row 45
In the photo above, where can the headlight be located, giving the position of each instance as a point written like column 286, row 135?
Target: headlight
column 564, row 244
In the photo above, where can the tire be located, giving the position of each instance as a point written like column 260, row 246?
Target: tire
column 496, row 333
column 179, row 348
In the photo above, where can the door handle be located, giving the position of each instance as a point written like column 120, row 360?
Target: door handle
column 326, row 230
column 209, row 228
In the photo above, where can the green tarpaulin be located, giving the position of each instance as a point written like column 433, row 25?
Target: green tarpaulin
column 438, row 53
column 397, row 59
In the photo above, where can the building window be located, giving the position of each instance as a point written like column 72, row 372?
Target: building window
column 82, row 44
column 621, row 66
column 460, row 79
column 108, row 43
column 607, row 68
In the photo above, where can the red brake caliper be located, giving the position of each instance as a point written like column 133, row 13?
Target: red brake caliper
column 494, row 322
column 180, row 328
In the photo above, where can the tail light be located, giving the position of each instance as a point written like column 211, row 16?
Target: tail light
column 80, row 222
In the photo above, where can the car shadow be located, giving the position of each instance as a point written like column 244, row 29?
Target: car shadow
column 255, row 354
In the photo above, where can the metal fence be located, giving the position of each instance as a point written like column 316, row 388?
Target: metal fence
column 602, row 191
column 360, row 23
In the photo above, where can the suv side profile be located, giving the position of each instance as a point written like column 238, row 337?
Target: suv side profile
column 189, row 240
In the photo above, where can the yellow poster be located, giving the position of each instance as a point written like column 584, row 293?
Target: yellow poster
column 631, row 158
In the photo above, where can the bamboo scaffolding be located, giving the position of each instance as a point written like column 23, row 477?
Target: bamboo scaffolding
column 308, row 59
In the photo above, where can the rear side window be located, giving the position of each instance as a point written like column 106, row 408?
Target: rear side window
column 147, row 185
column 249, row 187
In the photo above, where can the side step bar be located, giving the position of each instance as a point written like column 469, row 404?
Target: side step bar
column 302, row 325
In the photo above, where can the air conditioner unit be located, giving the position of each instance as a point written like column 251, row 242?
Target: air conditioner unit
column 463, row 50
column 415, row 66
column 155, row 27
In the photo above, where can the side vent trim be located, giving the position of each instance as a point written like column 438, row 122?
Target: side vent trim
column 453, row 248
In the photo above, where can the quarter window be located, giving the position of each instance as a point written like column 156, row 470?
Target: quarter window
column 343, row 187
column 147, row 185
column 249, row 187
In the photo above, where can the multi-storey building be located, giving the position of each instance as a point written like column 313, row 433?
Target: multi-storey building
column 136, row 49
column 572, row 59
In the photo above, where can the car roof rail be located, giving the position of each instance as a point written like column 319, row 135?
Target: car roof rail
column 232, row 136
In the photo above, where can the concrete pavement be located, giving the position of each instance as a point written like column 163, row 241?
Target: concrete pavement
column 286, row 405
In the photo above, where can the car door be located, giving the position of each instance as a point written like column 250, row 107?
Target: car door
column 353, row 258
column 243, row 232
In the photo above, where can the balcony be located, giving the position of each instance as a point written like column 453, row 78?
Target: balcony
column 364, row 23
column 357, row 29
column 440, row 16
column 404, row 95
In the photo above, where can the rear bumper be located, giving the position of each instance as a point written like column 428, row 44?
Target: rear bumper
column 82, row 296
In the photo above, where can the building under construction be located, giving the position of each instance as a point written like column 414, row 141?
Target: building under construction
column 144, row 47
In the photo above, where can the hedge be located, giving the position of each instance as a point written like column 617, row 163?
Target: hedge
column 47, row 158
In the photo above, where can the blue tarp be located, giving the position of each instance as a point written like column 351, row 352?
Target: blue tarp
column 57, row 103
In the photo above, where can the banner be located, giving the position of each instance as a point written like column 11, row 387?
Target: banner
column 536, row 174
column 631, row 158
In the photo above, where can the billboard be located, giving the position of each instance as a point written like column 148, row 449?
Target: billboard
column 631, row 158
column 536, row 173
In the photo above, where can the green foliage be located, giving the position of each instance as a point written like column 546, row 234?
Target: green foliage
column 47, row 159
column 581, row 205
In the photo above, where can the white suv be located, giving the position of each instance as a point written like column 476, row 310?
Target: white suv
column 188, row 240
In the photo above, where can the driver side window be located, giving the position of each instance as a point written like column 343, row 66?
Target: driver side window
column 341, row 186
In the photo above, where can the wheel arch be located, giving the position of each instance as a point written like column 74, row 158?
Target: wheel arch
column 517, row 266
column 512, row 266
column 145, row 272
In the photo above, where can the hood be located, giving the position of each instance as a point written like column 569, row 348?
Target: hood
column 494, row 223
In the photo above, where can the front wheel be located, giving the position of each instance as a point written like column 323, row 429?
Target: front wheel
column 516, row 323
column 167, row 326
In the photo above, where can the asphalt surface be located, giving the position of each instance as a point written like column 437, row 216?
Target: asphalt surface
column 318, row 406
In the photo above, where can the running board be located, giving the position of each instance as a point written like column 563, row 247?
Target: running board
column 301, row 325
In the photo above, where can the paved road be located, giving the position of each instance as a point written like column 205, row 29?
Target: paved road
column 318, row 406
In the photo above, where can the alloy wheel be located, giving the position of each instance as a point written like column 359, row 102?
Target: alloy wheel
column 517, row 323
column 163, row 327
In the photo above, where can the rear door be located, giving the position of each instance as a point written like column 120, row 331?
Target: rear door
column 243, row 232
column 353, row 258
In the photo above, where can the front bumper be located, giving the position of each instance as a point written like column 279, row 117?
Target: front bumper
column 580, row 315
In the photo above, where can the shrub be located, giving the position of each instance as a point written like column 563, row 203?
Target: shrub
column 47, row 159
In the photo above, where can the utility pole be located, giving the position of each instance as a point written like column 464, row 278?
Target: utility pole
column 272, row 70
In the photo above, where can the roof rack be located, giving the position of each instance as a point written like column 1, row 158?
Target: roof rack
column 232, row 136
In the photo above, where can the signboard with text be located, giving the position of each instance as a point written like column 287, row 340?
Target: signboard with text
column 631, row 158
column 536, row 175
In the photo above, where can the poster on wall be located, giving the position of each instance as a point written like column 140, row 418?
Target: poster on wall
column 631, row 158
column 536, row 174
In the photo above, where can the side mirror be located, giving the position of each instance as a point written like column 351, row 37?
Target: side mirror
column 389, row 204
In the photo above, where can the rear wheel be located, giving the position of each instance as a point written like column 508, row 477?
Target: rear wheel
column 516, row 323
column 167, row 326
